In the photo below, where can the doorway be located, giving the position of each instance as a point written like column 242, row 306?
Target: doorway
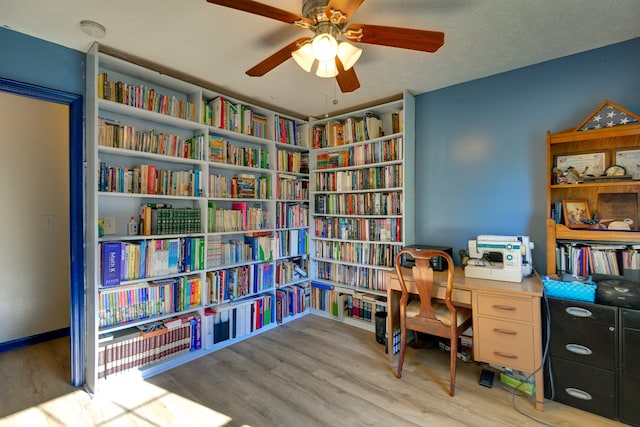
column 48, row 221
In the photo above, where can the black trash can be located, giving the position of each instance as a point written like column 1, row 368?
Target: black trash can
column 381, row 326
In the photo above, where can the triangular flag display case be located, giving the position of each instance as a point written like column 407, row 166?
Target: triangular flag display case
column 608, row 115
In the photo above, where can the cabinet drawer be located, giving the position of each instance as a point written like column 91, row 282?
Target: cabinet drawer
column 505, row 343
column 584, row 387
column 584, row 333
column 505, row 307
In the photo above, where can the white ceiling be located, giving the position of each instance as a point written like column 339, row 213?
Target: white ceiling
column 218, row 44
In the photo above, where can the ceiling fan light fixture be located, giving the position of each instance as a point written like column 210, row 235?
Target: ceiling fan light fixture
column 304, row 57
column 348, row 54
column 327, row 69
column 324, row 47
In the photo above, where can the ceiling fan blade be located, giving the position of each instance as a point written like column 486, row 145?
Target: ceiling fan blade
column 276, row 59
column 347, row 79
column 345, row 8
column 262, row 10
column 405, row 38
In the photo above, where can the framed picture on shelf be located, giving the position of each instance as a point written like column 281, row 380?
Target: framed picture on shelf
column 630, row 160
column 574, row 166
column 574, row 212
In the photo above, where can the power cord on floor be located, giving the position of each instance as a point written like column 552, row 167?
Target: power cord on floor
column 545, row 352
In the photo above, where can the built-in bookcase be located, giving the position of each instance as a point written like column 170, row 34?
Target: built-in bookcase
column 197, row 221
column 362, row 211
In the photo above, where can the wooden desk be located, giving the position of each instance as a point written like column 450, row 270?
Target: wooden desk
column 507, row 326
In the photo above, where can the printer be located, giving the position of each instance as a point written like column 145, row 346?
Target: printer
column 505, row 258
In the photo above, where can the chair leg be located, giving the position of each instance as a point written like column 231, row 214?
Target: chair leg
column 403, row 347
column 453, row 345
column 415, row 343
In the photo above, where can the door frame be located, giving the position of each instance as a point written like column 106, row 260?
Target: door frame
column 77, row 321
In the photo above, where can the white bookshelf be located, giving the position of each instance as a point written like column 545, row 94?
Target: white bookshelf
column 362, row 209
column 111, row 201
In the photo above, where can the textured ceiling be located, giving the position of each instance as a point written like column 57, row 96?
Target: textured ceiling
column 217, row 44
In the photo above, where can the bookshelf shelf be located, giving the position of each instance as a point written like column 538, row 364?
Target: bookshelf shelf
column 361, row 196
column 167, row 163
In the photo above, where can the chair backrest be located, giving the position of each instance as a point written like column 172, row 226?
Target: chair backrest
column 423, row 278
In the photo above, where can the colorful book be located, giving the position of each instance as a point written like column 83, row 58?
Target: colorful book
column 111, row 263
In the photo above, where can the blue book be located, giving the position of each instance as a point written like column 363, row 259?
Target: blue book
column 174, row 255
column 143, row 258
column 111, row 263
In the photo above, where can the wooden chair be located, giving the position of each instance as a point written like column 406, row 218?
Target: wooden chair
column 441, row 319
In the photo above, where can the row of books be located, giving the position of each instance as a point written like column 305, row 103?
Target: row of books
column 291, row 270
column 147, row 179
column 352, row 129
column 358, row 307
column 324, row 298
column 123, row 261
column 240, row 217
column 238, row 320
column 132, row 349
column 291, row 214
column 122, row 305
column 239, row 282
column 291, row 242
column 292, row 161
column 227, row 252
column 287, row 131
column 223, row 151
column 223, row 113
column 291, row 187
column 368, row 229
column 241, row 186
column 556, row 212
column 382, row 177
column 359, row 204
column 291, row 301
column 115, row 135
column 161, row 218
column 585, row 259
column 361, row 155
column 147, row 98
column 356, row 252
column 352, row 276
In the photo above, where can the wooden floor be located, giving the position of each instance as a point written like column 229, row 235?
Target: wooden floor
column 310, row 372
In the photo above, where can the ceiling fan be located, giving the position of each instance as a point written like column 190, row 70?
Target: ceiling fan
column 328, row 19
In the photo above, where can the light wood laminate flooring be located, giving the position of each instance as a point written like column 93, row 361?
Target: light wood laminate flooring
column 310, row 372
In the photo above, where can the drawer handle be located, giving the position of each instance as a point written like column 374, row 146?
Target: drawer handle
column 504, row 307
column 505, row 331
column 507, row 355
column 577, row 393
column 579, row 349
column 578, row 312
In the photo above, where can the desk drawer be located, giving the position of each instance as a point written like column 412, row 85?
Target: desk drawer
column 458, row 296
column 505, row 307
column 506, row 343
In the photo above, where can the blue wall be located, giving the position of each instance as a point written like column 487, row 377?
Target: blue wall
column 481, row 145
column 38, row 62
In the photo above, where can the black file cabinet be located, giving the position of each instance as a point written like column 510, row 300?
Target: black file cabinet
column 594, row 356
